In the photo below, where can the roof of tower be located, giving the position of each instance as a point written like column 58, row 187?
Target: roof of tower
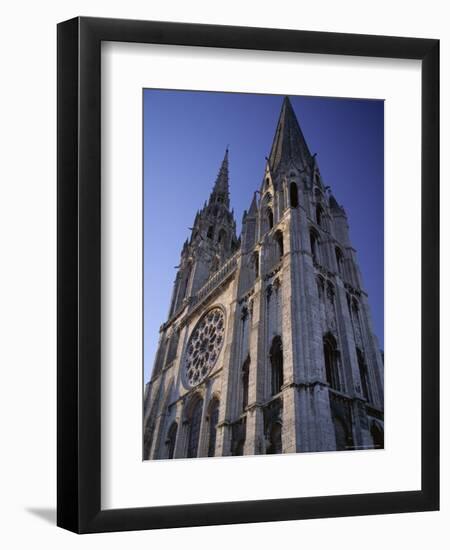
column 289, row 145
column 221, row 187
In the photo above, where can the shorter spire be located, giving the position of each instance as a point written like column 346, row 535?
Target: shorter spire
column 289, row 145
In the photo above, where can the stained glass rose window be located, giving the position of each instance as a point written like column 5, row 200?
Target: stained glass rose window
column 204, row 346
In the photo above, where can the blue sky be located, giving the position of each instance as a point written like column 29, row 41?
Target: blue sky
column 185, row 137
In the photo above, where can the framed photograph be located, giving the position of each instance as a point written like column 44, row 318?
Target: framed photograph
column 248, row 255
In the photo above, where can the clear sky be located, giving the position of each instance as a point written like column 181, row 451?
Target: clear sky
column 185, row 137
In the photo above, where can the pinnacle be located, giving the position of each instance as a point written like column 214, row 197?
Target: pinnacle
column 253, row 206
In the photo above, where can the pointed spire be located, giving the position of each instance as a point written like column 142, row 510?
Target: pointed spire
column 253, row 210
column 220, row 192
column 289, row 145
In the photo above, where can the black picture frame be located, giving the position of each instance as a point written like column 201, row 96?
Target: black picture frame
column 79, row 277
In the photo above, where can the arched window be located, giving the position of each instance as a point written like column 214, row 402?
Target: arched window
column 210, row 233
column 269, row 217
column 319, row 215
column 267, row 182
column 213, row 420
column 293, row 193
column 279, row 240
column 363, row 374
column 194, row 429
column 274, row 436
column 276, row 361
column 171, row 438
column 339, row 260
column 332, row 362
column 245, row 378
column 377, row 436
column 256, row 263
column 314, row 242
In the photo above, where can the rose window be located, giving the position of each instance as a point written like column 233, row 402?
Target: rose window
column 204, row 346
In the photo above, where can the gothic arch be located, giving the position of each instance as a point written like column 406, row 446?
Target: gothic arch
column 276, row 364
column 194, row 411
column 363, row 374
column 314, row 241
column 293, row 194
column 320, row 213
column 269, row 215
column 256, row 263
column 332, row 362
column 339, row 260
column 213, row 419
column 278, row 238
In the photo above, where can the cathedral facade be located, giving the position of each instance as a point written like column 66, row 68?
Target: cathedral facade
column 268, row 346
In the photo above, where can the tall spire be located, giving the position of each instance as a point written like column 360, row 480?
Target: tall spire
column 289, row 145
column 220, row 192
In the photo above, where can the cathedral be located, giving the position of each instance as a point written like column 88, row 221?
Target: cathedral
column 268, row 346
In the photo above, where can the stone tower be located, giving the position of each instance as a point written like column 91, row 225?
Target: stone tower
column 268, row 347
